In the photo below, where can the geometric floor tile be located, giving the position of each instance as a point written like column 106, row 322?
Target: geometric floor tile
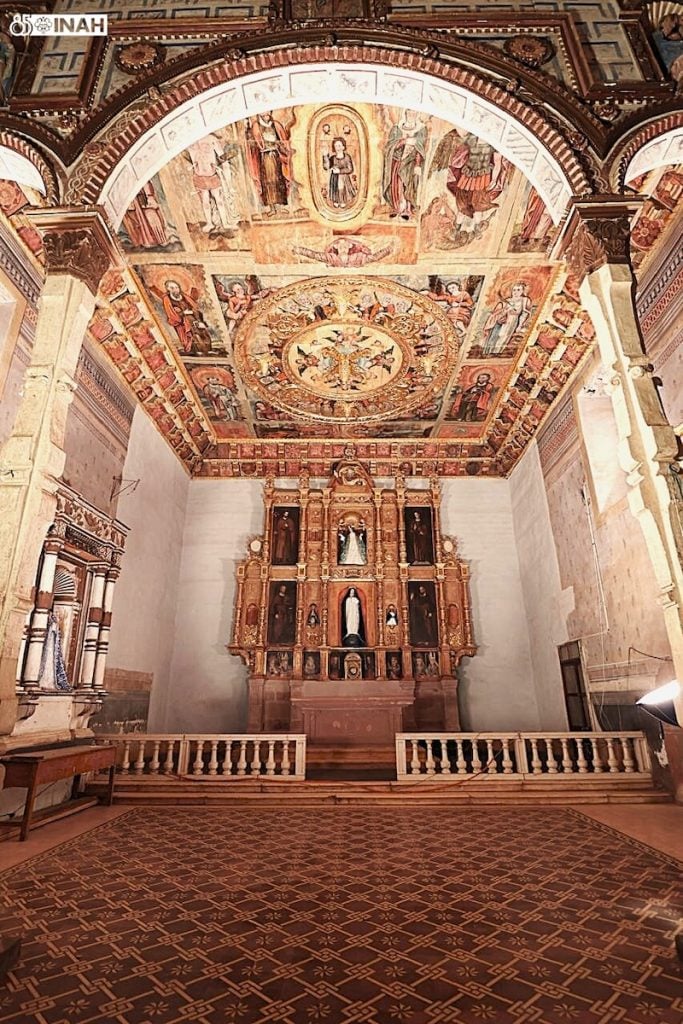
column 346, row 916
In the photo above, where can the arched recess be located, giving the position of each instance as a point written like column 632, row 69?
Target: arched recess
column 656, row 144
column 21, row 163
column 113, row 171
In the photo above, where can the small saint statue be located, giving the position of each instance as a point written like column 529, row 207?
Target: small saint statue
column 313, row 617
column 392, row 615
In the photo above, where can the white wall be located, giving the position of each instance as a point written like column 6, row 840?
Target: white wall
column 207, row 690
column 497, row 685
column 143, row 619
column 545, row 604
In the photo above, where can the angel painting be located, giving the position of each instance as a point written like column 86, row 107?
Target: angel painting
column 237, row 298
column 476, row 175
column 457, row 299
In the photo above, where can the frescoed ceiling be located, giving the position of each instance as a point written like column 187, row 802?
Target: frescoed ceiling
column 348, row 272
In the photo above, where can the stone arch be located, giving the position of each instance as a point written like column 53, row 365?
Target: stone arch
column 146, row 137
column 22, row 163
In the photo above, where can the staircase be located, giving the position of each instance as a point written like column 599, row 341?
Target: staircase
column 328, row 763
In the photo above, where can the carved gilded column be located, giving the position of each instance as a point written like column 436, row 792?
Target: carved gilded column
column 78, row 250
column 596, row 243
column 325, row 567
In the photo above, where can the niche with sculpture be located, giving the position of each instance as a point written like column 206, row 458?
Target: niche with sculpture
column 352, row 592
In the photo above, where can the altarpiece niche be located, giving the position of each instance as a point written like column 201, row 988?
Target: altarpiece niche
column 352, row 611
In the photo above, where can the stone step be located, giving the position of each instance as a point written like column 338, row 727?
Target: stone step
column 286, row 793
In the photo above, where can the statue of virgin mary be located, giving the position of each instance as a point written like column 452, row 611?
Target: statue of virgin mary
column 352, row 545
column 353, row 629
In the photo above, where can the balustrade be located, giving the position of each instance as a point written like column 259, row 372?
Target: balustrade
column 521, row 755
column 213, row 756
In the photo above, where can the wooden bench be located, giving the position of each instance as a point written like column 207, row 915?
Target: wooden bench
column 40, row 767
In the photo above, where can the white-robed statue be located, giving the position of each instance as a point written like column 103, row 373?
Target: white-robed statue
column 352, row 546
column 353, row 630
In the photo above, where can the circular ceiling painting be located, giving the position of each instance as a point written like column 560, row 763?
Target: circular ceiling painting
column 345, row 348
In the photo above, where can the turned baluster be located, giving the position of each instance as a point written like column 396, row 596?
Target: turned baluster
column 536, row 763
column 226, row 764
column 213, row 759
column 581, row 762
column 429, row 763
column 551, row 763
column 139, row 765
column 415, row 758
column 567, row 763
column 445, row 763
column 125, row 762
column 612, row 762
column 460, row 762
column 168, row 763
column 198, row 766
column 154, row 763
column 595, row 756
column 507, row 759
column 285, row 757
column 629, row 763
column 242, row 762
column 491, row 763
column 270, row 763
column 477, row 763
column 256, row 762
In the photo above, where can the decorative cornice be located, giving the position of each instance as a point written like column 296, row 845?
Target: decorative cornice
column 76, row 242
column 19, row 269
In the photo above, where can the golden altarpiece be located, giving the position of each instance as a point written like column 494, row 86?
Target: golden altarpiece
column 352, row 611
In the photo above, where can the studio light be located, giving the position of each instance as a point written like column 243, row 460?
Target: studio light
column 661, row 703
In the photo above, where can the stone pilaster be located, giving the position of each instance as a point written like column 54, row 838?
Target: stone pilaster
column 78, row 250
column 596, row 244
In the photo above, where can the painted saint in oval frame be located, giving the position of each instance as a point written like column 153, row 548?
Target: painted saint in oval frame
column 338, row 165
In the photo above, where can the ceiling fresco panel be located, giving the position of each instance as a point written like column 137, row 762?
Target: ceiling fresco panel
column 351, row 272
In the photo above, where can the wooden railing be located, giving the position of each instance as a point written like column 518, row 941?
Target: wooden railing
column 517, row 755
column 210, row 756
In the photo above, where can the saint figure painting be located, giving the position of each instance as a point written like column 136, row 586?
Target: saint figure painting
column 282, row 612
column 424, row 630
column 419, row 541
column 285, row 540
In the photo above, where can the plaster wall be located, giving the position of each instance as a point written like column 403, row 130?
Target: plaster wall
column 545, row 603
column 497, row 688
column 207, row 689
column 605, row 567
column 144, row 612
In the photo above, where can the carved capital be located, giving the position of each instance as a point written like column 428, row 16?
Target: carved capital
column 598, row 231
column 76, row 242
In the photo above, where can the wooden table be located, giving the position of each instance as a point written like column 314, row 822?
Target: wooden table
column 39, row 767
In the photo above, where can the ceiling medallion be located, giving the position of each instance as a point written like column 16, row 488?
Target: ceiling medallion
column 141, row 56
column 532, row 51
column 337, row 349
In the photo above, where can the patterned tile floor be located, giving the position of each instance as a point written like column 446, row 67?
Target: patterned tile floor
column 346, row 916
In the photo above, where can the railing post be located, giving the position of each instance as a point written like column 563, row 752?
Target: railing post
column 183, row 755
column 401, row 759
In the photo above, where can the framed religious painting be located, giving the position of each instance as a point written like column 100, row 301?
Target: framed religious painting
column 285, row 536
column 424, row 623
column 282, row 613
column 419, row 535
